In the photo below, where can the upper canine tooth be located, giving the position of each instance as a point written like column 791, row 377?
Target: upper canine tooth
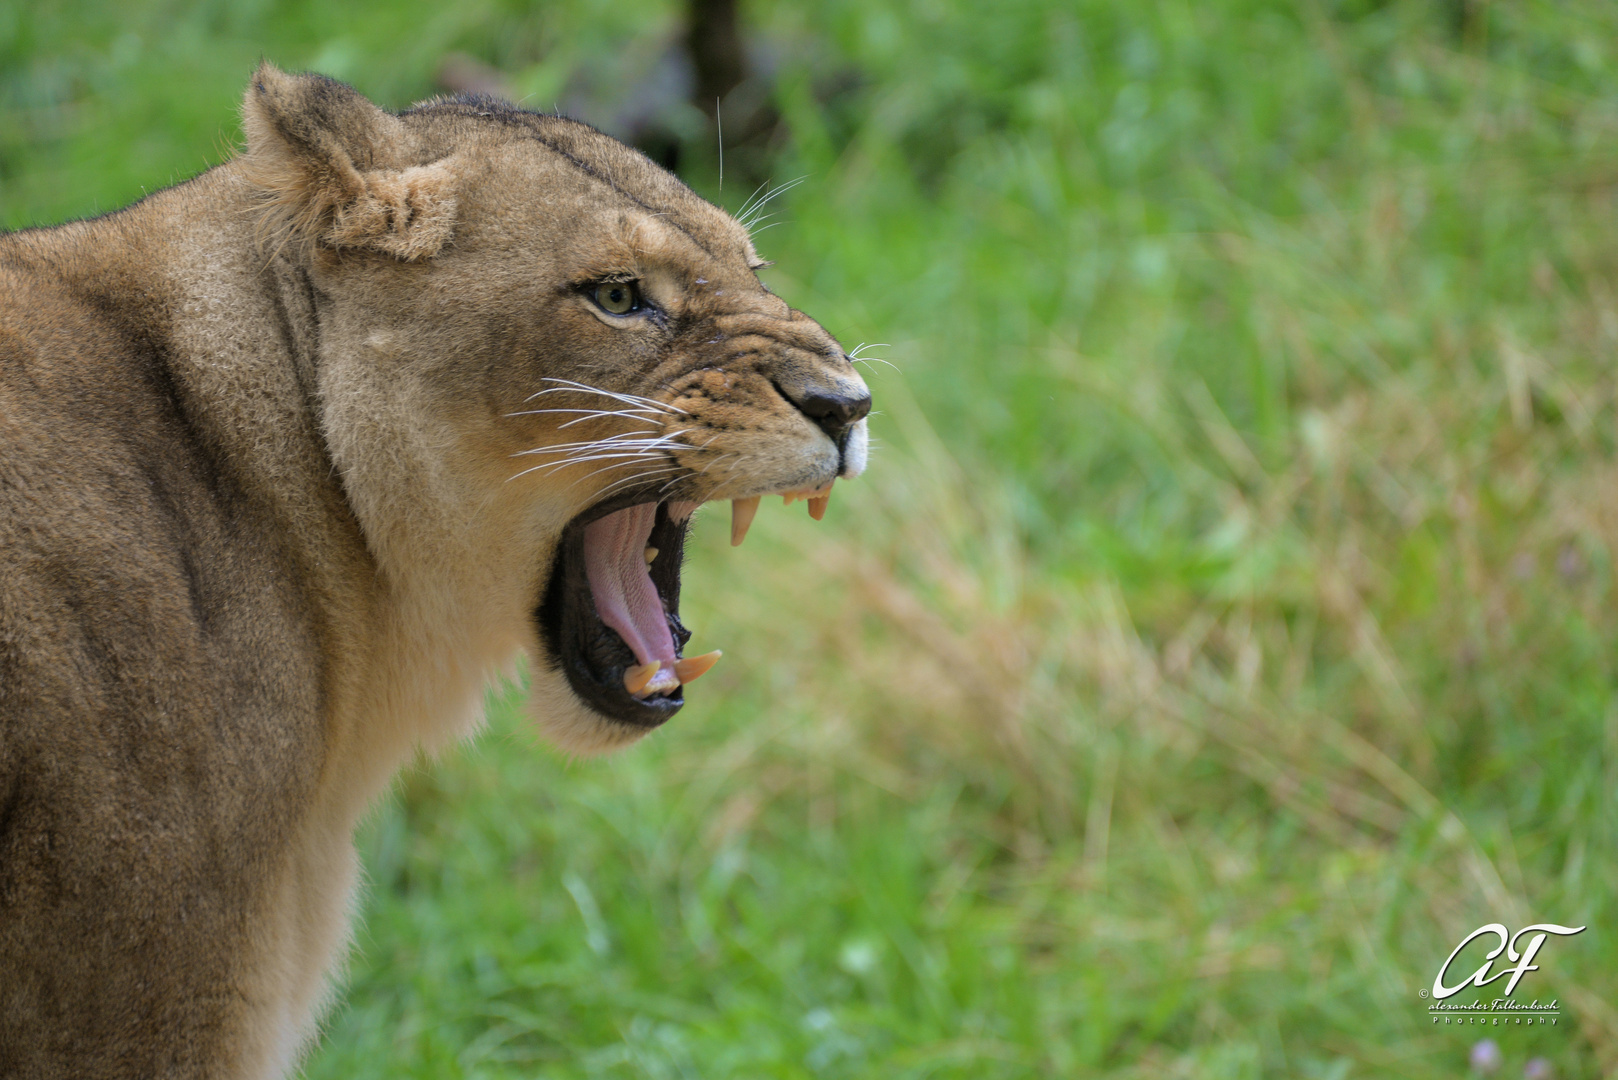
column 818, row 501
column 651, row 553
column 741, row 517
column 693, row 668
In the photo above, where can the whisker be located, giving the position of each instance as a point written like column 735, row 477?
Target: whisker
column 574, row 451
column 616, row 484
column 855, row 351
column 715, row 461
column 587, row 412
column 872, row 360
column 608, row 450
column 748, row 216
column 628, row 440
column 748, row 204
column 590, row 414
column 633, row 455
column 559, row 465
column 567, row 385
column 627, row 414
column 854, row 356
column 610, row 468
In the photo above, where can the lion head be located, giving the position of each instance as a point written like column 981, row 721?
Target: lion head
column 538, row 354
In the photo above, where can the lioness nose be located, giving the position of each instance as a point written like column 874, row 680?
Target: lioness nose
column 834, row 412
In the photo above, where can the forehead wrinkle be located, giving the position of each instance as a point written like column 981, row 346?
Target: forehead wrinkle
column 606, row 178
column 657, row 252
column 530, row 126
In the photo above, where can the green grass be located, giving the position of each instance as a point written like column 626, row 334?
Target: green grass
column 1227, row 625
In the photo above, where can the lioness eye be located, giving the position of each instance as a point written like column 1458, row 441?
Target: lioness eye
column 617, row 297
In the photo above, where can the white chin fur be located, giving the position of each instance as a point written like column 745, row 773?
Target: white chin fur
column 569, row 724
column 855, row 451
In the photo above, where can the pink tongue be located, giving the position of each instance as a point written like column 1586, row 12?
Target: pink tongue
column 626, row 599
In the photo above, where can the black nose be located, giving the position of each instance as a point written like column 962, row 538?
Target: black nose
column 834, row 413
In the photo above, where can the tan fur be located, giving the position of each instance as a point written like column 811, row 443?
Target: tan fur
column 266, row 529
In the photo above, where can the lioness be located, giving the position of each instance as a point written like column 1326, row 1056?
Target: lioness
column 294, row 458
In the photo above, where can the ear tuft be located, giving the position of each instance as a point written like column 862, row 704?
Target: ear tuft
column 333, row 169
column 409, row 215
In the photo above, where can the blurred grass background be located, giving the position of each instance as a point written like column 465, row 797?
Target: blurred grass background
column 1225, row 629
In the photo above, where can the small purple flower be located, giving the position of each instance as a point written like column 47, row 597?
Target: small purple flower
column 1485, row 1057
column 1537, row 1069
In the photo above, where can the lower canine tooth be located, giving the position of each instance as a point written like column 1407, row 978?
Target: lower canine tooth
column 664, row 682
column 651, row 553
column 637, row 677
column 693, row 668
column 741, row 517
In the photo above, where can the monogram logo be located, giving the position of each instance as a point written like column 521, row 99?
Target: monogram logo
column 1523, row 962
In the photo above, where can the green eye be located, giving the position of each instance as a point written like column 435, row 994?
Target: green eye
column 617, row 297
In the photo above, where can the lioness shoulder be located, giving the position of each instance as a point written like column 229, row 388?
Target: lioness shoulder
column 294, row 458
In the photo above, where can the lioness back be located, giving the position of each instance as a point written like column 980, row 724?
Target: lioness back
column 294, row 458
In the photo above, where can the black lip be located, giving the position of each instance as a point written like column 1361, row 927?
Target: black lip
column 591, row 653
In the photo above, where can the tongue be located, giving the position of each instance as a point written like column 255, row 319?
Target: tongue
column 626, row 599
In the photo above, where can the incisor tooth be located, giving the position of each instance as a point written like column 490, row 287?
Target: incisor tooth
column 741, row 517
column 693, row 668
column 637, row 676
column 790, row 497
column 651, row 553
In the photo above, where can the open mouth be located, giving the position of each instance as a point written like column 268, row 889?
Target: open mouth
column 613, row 607
column 611, row 610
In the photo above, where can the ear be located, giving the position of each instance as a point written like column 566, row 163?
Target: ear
column 335, row 170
